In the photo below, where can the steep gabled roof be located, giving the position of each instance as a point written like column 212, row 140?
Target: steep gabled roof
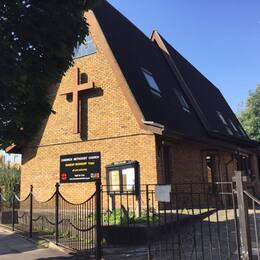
column 134, row 51
column 208, row 97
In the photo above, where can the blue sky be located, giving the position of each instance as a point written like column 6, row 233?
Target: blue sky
column 14, row 158
column 221, row 38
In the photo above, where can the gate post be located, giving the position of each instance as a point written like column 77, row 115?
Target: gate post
column 30, row 212
column 57, row 213
column 243, row 219
column 13, row 209
column 98, row 221
column 148, row 223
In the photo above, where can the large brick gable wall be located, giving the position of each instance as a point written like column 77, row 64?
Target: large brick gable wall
column 111, row 129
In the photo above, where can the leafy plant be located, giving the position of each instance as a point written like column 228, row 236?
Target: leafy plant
column 120, row 217
column 9, row 180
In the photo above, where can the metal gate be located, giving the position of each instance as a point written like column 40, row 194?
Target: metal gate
column 249, row 217
column 199, row 222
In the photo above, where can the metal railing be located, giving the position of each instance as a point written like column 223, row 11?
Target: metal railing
column 253, row 207
column 74, row 226
column 199, row 221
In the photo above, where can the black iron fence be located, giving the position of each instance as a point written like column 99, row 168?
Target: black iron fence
column 183, row 221
column 75, row 226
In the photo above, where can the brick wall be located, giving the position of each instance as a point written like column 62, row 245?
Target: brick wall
column 112, row 129
column 188, row 164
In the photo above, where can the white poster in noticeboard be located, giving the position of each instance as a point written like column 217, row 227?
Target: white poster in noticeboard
column 162, row 193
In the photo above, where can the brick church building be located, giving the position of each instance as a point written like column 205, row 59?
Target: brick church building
column 152, row 116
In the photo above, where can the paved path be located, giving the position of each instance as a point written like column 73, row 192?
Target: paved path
column 13, row 246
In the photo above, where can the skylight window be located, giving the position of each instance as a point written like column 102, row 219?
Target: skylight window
column 234, row 127
column 151, row 81
column 223, row 120
column 184, row 104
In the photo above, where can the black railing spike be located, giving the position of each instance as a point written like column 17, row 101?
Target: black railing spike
column 57, row 187
column 57, row 208
column 31, row 212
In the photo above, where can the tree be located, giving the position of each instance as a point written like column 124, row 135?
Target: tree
column 250, row 116
column 37, row 43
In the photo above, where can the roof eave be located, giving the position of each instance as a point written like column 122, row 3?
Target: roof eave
column 214, row 141
column 233, row 139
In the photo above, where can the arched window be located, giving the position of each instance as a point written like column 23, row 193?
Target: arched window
column 83, row 78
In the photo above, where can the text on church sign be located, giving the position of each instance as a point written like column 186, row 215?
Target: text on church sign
column 84, row 167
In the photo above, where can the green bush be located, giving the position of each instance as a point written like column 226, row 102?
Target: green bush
column 9, row 181
column 119, row 217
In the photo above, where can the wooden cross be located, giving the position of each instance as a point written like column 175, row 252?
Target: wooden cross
column 77, row 88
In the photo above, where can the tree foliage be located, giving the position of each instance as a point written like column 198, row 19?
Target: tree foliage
column 37, row 42
column 250, row 116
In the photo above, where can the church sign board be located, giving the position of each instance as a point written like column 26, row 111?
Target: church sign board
column 84, row 167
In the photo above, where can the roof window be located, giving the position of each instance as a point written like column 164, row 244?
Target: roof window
column 223, row 120
column 235, row 128
column 184, row 103
column 151, row 81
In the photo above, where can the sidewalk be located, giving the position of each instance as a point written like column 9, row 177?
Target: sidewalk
column 13, row 246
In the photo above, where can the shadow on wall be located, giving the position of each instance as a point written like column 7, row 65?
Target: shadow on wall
column 32, row 146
